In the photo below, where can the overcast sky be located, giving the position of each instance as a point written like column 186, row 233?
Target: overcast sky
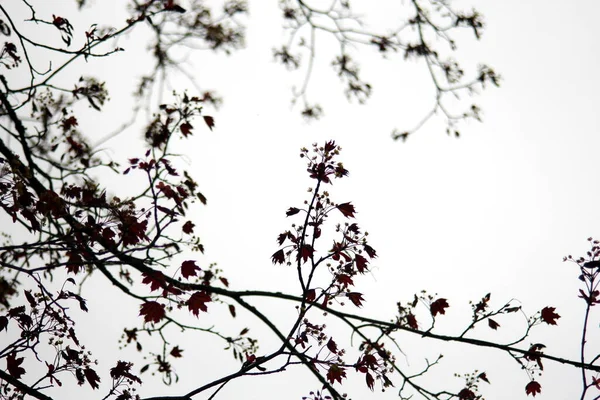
column 493, row 211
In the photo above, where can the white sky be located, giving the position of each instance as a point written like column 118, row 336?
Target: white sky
column 494, row 211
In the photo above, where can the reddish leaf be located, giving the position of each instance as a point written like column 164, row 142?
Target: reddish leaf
column 13, row 365
column 549, row 316
column 123, row 369
column 74, row 262
column 152, row 311
column 533, row 388
column 108, row 235
column 335, row 373
column 188, row 227
column 439, row 307
column 329, row 146
column 292, row 211
column 332, row 346
column 68, row 123
column 483, row 304
column 186, row 128
column 232, row 310
column 370, row 251
column 311, row 294
column 209, row 121
column 224, row 281
column 347, row 209
column 483, row 377
column 493, row 324
column 361, row 263
column 176, row 352
column 197, row 301
column 370, row 381
column 278, row 257
column 155, row 279
column 355, row 298
column 92, row 377
column 345, row 280
column 411, row 321
column 534, row 354
column 189, row 268
column 466, row 394
column 305, row 252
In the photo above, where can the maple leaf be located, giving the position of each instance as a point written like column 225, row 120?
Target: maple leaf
column 188, row 227
column 123, row 369
column 92, row 377
column 176, row 352
column 186, row 128
column 493, row 324
column 68, row 123
column 355, row 298
column 74, row 262
column 439, row 307
column 197, row 302
column 332, row 346
column 278, row 257
column 329, row 146
column 155, row 279
column 344, row 280
column 466, row 394
column 370, row 251
column 411, row 321
column 189, row 268
column 361, row 263
column 533, row 388
column 483, row 377
column 483, row 304
column 534, row 354
column 232, row 310
column 292, row 211
column 311, row 294
column 152, row 311
column 335, row 373
column 549, row 316
column 3, row 323
column 108, row 235
column 281, row 238
column 370, row 381
column 347, row 209
column 305, row 252
column 13, row 365
column 209, row 121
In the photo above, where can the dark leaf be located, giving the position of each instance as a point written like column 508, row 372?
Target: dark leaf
column 152, row 311
column 210, row 122
column 13, row 365
column 197, row 302
column 347, row 209
column 189, row 268
column 92, row 377
column 439, row 307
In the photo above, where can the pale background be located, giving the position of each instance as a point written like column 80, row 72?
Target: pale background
column 494, row 211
